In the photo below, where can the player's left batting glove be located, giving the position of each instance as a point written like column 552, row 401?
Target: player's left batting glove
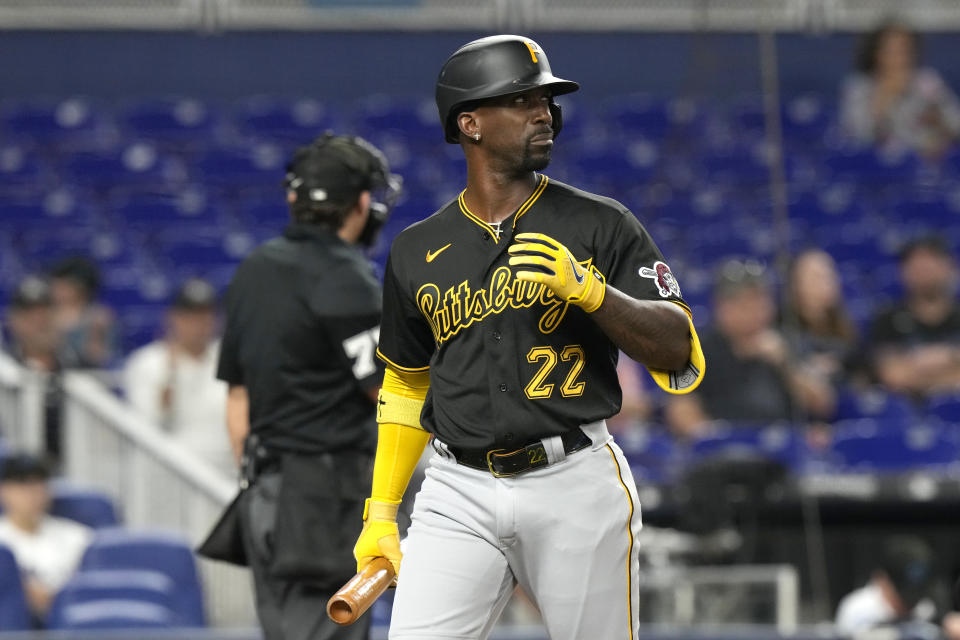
column 553, row 265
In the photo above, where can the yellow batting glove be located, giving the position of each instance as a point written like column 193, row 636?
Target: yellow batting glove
column 556, row 268
column 380, row 537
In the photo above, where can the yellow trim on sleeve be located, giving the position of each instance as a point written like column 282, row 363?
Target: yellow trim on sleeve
column 690, row 377
column 400, row 367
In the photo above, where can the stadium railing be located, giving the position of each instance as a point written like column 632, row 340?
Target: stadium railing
column 476, row 15
column 156, row 483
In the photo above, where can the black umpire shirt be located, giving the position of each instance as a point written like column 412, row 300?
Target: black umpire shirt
column 509, row 362
column 302, row 316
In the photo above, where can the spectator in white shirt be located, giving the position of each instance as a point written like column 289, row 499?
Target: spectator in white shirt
column 899, row 592
column 48, row 549
column 172, row 381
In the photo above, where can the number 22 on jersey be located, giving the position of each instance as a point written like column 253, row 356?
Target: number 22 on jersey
column 538, row 388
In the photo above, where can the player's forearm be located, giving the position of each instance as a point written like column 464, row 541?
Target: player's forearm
column 655, row 334
column 238, row 418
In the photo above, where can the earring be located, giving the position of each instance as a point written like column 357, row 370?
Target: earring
column 476, row 137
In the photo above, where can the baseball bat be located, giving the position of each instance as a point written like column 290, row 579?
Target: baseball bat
column 355, row 597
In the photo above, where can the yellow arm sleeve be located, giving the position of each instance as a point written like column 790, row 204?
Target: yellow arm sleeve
column 401, row 440
column 688, row 378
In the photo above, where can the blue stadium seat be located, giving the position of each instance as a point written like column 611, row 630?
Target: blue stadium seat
column 736, row 165
column 136, row 164
column 199, row 251
column 297, row 121
column 67, row 119
column 256, row 166
column 86, row 506
column 156, row 211
column 642, row 115
column 115, row 614
column 888, row 408
column 152, row 551
column 865, row 445
column 805, row 118
column 178, row 120
column 130, row 585
column 780, row 442
column 652, row 453
column 14, row 614
column 415, row 120
column 869, row 167
column 19, row 166
column 945, row 407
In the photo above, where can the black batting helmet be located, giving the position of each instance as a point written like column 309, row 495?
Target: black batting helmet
column 491, row 67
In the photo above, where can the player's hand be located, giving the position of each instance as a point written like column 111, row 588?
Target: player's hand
column 554, row 266
column 380, row 537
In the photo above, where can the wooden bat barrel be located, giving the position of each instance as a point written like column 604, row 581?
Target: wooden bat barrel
column 355, row 597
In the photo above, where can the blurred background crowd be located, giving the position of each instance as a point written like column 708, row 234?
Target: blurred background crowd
column 814, row 233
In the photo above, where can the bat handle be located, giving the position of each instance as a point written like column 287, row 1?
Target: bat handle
column 360, row 592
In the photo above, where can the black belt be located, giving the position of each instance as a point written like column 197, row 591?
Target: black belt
column 503, row 463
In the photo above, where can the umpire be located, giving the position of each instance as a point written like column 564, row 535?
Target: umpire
column 298, row 351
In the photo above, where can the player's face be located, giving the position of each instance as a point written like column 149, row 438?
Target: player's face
column 517, row 130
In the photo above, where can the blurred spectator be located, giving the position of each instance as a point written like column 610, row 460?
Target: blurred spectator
column 914, row 347
column 815, row 321
column 87, row 327
column 752, row 377
column 47, row 549
column 35, row 343
column 892, row 103
column 172, row 381
column 900, row 592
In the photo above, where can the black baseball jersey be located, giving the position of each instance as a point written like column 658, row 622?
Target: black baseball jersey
column 510, row 362
column 302, row 322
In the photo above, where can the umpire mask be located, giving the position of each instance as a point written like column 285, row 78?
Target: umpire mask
column 332, row 171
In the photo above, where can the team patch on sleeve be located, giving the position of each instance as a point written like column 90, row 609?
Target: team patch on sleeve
column 660, row 273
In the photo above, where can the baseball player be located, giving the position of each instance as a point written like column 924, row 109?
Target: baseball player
column 502, row 319
column 298, row 356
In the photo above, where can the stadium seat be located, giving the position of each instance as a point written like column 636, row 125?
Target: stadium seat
column 89, row 507
column 780, row 442
column 115, row 614
column 257, row 166
column 869, row 167
column 19, row 166
column 864, row 445
column 14, row 614
column 890, row 410
column 136, row 164
column 67, row 120
column 171, row 120
column 130, row 585
column 415, row 120
column 156, row 211
column 945, row 407
column 293, row 121
column 152, row 551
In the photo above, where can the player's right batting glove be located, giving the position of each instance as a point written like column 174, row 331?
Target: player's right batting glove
column 380, row 537
column 551, row 263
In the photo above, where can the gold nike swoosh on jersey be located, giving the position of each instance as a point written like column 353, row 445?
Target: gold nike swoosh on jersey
column 434, row 254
